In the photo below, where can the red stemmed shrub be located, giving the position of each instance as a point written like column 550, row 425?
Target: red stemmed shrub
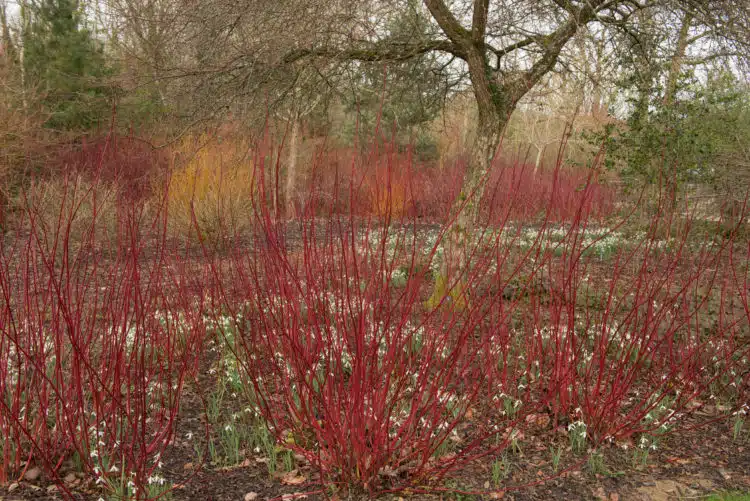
column 352, row 367
column 127, row 162
column 556, row 194
column 94, row 352
column 624, row 345
column 384, row 180
column 347, row 365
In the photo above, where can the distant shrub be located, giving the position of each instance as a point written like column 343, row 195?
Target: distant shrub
column 387, row 192
column 127, row 161
column 72, row 208
column 396, row 183
column 524, row 193
column 210, row 186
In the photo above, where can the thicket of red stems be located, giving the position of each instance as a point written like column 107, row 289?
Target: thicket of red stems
column 94, row 350
column 631, row 345
column 556, row 194
column 332, row 329
column 347, row 368
column 351, row 369
column 391, row 181
column 125, row 161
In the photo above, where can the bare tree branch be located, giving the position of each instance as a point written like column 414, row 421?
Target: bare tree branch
column 376, row 52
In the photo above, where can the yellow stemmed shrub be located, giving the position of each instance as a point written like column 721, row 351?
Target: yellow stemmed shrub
column 209, row 189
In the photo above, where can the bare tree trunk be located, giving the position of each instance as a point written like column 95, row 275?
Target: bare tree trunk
column 291, row 172
column 22, row 65
column 490, row 125
column 8, row 47
column 669, row 94
column 538, row 161
column 677, row 59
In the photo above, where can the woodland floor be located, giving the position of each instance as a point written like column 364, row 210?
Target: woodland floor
column 689, row 464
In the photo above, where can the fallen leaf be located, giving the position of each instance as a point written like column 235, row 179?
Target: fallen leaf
column 13, row 487
column 614, row 497
column 32, row 474
column 497, row 495
column 487, row 485
column 387, row 471
column 296, row 495
column 661, row 490
column 187, row 466
column 541, row 420
column 51, row 488
column 250, row 496
column 70, row 478
column 292, row 478
column 600, row 494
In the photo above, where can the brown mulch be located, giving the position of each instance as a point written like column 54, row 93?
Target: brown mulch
column 689, row 463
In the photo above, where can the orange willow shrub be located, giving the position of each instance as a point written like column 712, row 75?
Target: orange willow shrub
column 210, row 186
column 389, row 192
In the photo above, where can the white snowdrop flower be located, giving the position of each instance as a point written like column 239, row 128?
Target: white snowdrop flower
column 94, row 453
column 156, row 479
column 114, row 469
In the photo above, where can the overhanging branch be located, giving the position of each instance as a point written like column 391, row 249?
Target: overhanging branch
column 385, row 51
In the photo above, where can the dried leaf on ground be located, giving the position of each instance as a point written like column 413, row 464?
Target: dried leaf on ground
column 292, row 478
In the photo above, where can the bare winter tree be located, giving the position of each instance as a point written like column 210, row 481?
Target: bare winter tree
column 507, row 47
column 245, row 51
